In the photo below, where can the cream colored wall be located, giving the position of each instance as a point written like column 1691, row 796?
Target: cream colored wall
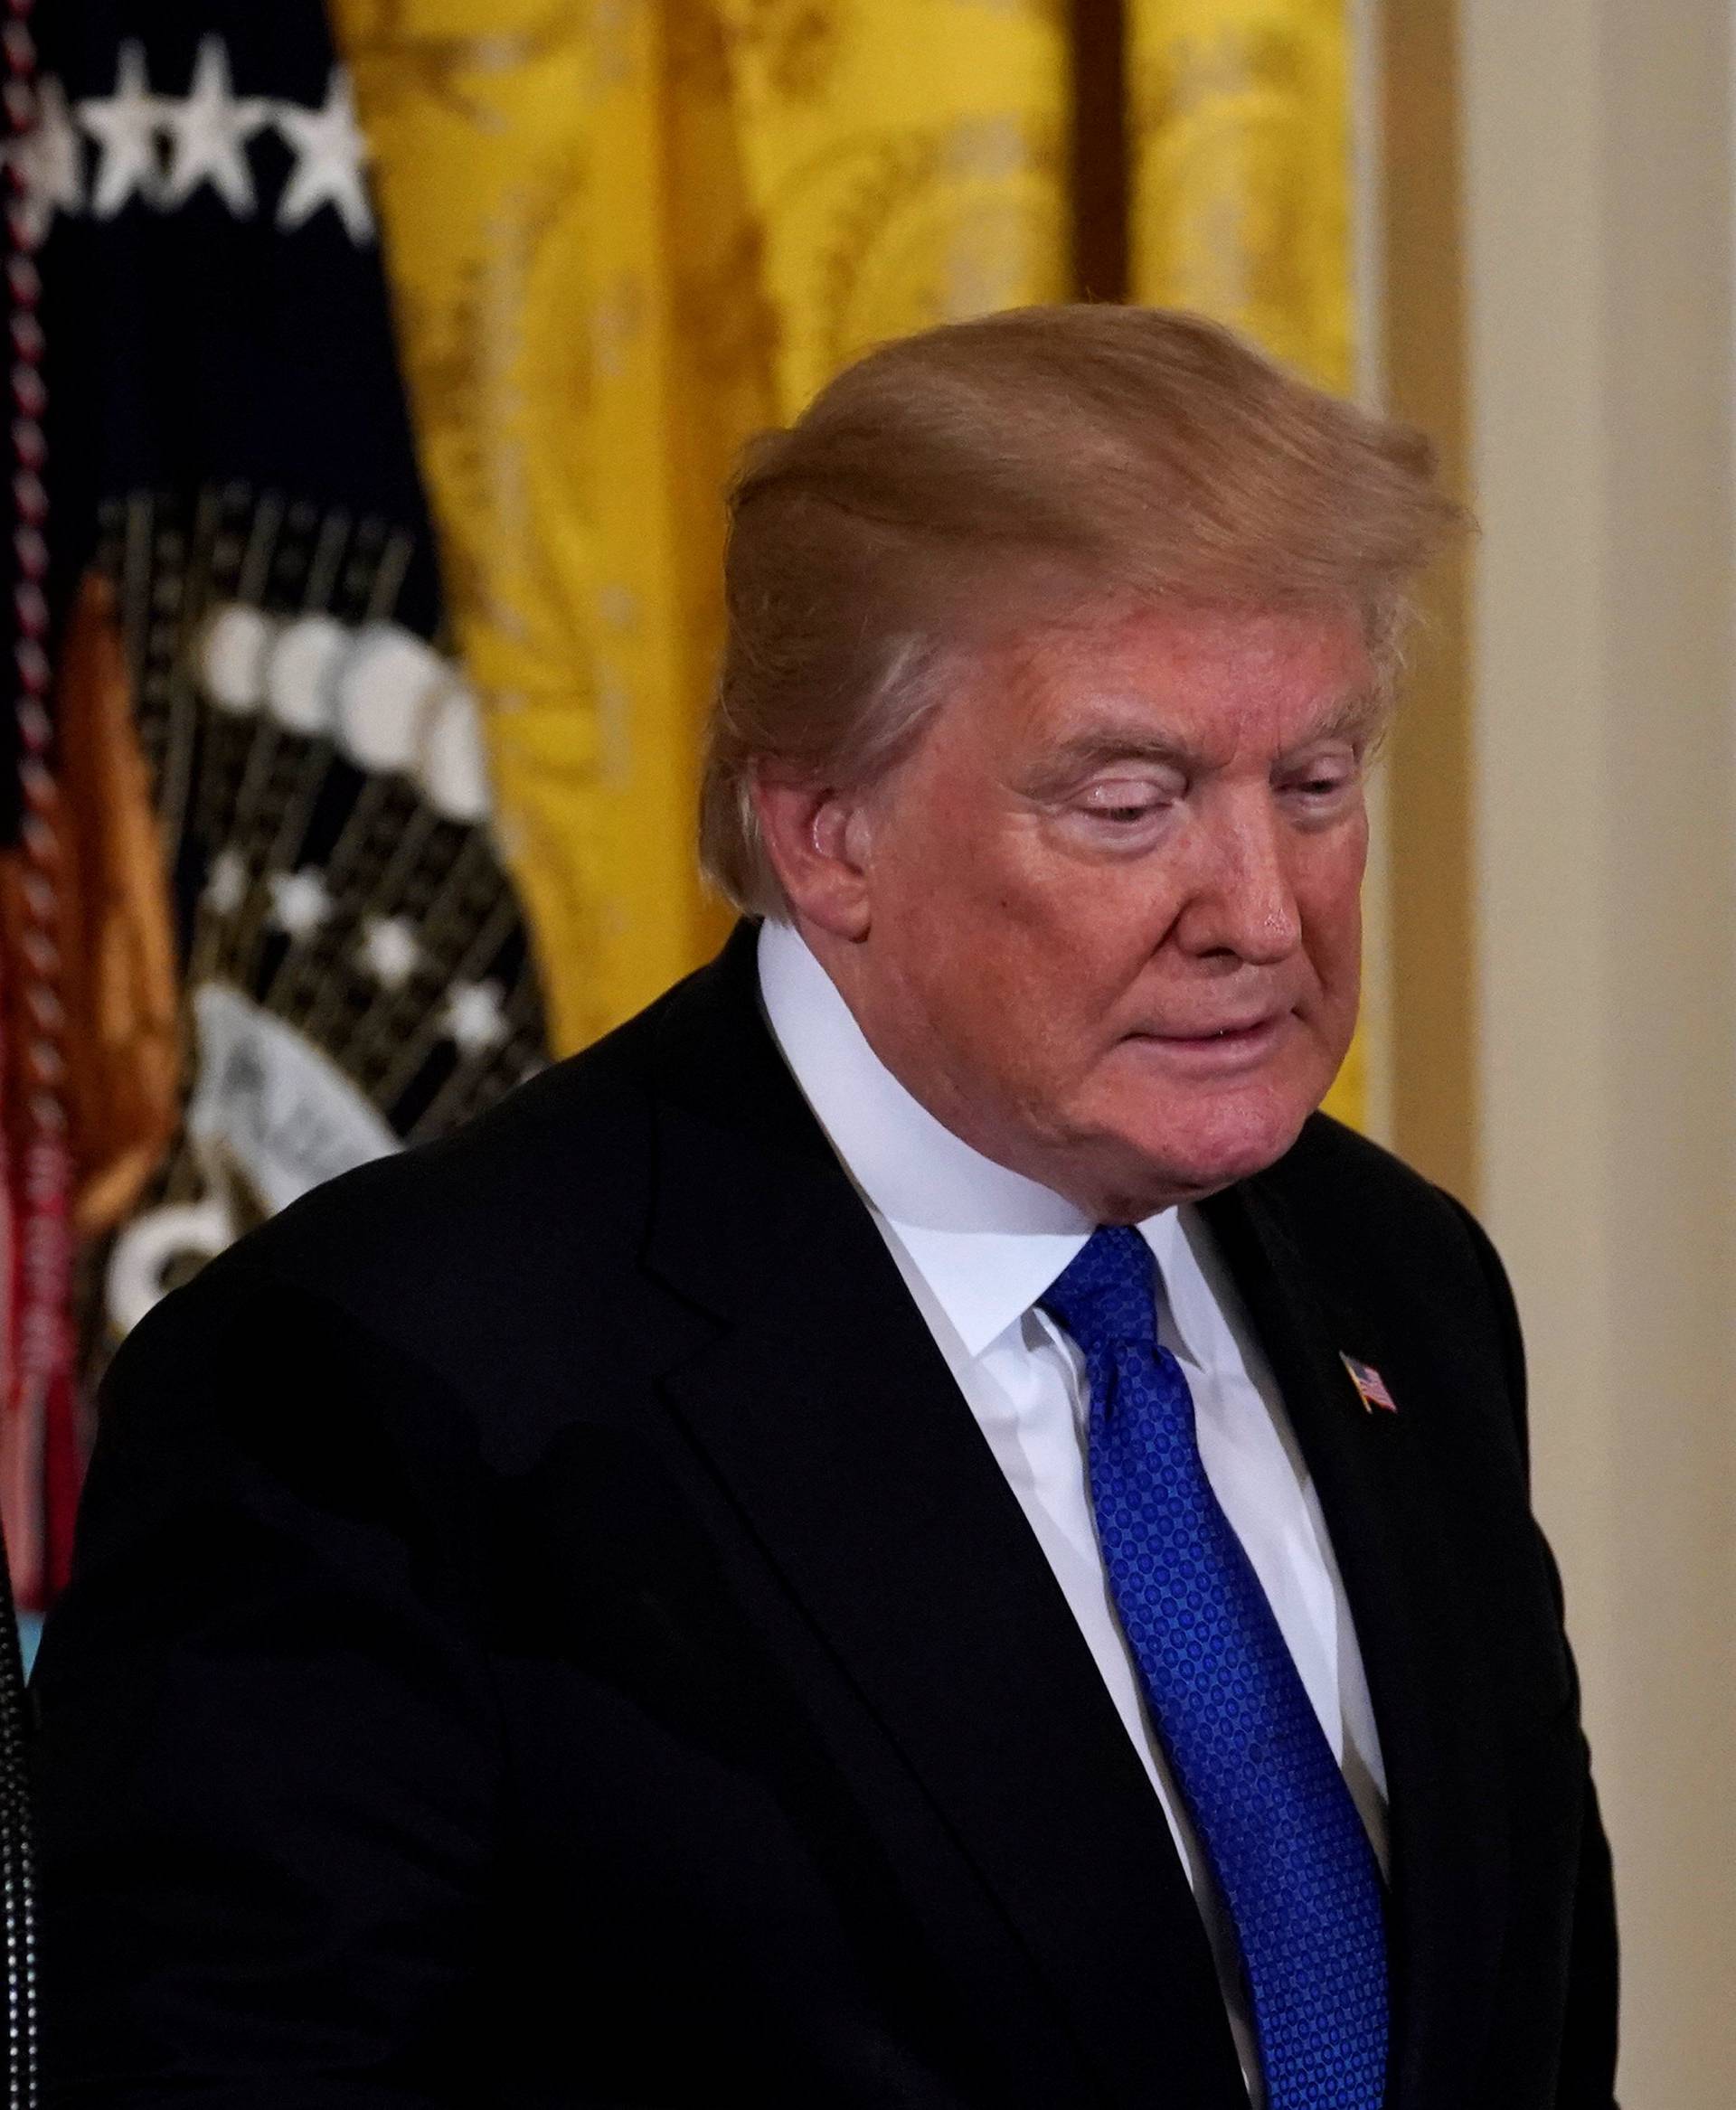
column 1598, row 229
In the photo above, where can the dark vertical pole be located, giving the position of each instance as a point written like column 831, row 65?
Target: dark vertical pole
column 1097, row 161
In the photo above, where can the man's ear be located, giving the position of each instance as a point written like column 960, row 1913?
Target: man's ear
column 817, row 837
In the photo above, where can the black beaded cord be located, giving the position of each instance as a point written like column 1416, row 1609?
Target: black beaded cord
column 44, row 1118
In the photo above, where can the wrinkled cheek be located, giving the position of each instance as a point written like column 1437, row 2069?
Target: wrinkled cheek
column 1014, row 1030
column 1336, row 1025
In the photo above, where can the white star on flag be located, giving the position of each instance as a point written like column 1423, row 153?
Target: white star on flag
column 300, row 902
column 124, row 125
column 209, row 131
column 473, row 1020
column 389, row 951
column 50, row 161
column 330, row 151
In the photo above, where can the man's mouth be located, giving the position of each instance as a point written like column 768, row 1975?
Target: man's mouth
column 1227, row 1030
column 1222, row 1044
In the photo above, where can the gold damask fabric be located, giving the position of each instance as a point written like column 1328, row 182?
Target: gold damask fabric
column 622, row 235
column 1240, row 209
column 1238, row 123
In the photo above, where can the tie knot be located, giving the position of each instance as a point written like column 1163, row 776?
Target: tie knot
column 1104, row 1293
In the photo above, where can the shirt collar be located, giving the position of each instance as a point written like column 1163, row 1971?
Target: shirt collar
column 986, row 1240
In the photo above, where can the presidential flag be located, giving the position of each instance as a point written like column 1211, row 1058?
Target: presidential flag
column 283, row 937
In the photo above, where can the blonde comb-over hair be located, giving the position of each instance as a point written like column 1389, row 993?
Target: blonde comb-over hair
column 979, row 480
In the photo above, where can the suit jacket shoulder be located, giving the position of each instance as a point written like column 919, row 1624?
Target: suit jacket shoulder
column 1366, row 1213
column 1389, row 1250
column 500, row 1263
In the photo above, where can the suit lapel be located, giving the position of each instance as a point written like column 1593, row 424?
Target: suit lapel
column 829, row 1413
column 1385, row 1512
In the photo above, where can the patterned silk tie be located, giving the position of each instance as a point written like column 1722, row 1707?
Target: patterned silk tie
column 1286, row 1846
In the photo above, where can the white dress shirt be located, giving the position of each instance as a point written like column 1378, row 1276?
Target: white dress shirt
column 977, row 1246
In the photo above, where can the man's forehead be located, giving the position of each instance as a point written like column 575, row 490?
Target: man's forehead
column 1197, row 680
column 1183, row 638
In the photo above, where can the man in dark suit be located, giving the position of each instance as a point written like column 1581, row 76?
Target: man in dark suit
column 914, row 1528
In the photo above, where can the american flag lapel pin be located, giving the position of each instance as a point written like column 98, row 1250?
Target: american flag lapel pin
column 1370, row 1384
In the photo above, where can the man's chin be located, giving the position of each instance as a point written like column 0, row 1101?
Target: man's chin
column 1156, row 1169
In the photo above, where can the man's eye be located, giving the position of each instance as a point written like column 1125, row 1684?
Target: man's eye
column 1325, row 784
column 1122, row 805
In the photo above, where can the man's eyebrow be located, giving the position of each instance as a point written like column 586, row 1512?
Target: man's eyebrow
column 1099, row 749
column 1357, row 717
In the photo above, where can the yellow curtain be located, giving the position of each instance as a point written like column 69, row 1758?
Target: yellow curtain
column 1239, row 189
column 1240, row 124
column 621, row 235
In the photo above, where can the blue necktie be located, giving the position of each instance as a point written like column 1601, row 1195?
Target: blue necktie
column 1292, row 1860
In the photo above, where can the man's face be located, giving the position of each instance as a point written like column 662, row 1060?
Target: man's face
column 1113, row 926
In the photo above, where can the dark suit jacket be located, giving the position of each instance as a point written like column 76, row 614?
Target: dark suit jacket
column 547, row 1631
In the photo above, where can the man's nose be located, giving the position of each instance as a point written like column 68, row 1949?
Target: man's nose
column 1243, row 903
